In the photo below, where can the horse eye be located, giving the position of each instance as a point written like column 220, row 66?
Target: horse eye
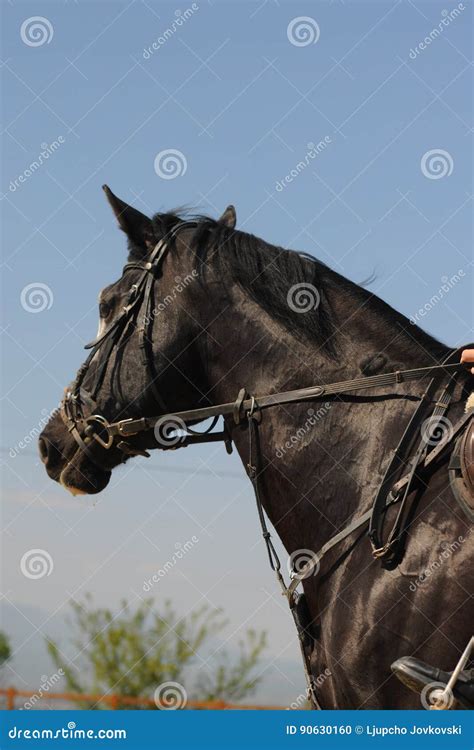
column 104, row 309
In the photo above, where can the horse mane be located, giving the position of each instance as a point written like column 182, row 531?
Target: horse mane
column 268, row 273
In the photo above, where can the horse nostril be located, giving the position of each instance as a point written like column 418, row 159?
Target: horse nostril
column 43, row 449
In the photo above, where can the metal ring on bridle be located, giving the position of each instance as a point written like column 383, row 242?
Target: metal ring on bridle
column 252, row 407
column 90, row 432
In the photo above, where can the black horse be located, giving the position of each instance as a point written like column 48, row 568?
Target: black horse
column 230, row 310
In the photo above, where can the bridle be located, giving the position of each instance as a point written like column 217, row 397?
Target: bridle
column 417, row 450
column 93, row 428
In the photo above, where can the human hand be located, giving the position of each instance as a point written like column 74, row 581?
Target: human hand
column 468, row 356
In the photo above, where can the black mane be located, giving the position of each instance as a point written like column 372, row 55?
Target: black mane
column 264, row 271
column 268, row 272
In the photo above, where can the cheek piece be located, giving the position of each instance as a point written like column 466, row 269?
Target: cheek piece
column 79, row 406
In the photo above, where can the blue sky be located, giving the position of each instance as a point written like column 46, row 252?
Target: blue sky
column 390, row 194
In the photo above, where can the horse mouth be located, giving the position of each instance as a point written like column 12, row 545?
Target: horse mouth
column 78, row 483
column 66, row 464
column 69, row 487
column 82, row 477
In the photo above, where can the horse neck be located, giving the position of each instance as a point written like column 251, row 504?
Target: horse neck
column 322, row 461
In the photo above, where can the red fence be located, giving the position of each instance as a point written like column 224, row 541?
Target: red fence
column 115, row 702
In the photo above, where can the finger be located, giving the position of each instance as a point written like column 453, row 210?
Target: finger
column 467, row 355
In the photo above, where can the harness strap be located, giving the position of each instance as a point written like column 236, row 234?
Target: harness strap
column 393, row 498
column 388, row 550
column 145, row 328
column 243, row 405
column 422, row 459
column 254, row 471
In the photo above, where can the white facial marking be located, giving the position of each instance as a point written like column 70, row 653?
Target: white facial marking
column 101, row 328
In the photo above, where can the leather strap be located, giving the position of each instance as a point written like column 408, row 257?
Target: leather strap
column 388, row 549
column 236, row 408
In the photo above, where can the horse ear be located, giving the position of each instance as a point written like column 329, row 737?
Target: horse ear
column 137, row 226
column 229, row 217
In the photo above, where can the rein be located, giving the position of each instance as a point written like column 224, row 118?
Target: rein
column 413, row 449
column 243, row 404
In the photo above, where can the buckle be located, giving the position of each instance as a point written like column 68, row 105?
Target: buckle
column 379, row 552
column 237, row 410
column 128, row 427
